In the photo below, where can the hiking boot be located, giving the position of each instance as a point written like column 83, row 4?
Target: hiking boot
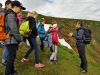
column 25, row 60
column 83, row 71
column 39, row 65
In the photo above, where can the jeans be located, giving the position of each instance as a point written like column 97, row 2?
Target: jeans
column 33, row 44
column 12, row 48
column 81, row 51
column 5, row 54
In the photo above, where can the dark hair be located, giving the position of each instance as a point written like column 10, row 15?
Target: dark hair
column 81, row 23
column 54, row 22
column 8, row 2
column 0, row 4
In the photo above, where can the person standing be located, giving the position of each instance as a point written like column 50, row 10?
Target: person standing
column 5, row 52
column 0, row 7
column 80, row 45
column 53, row 57
column 11, row 27
column 32, row 39
column 41, row 31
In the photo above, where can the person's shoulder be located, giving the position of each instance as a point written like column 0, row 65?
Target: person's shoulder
column 11, row 15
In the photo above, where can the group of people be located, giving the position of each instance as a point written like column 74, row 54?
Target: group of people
column 13, row 21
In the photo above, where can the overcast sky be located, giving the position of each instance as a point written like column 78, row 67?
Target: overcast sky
column 78, row 9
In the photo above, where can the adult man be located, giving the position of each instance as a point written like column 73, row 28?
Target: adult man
column 80, row 45
column 11, row 27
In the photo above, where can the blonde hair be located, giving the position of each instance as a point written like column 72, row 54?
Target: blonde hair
column 32, row 13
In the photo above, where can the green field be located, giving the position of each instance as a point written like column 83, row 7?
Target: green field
column 68, row 63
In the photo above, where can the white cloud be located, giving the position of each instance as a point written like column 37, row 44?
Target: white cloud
column 79, row 9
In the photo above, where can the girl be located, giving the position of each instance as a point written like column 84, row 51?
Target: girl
column 32, row 39
column 53, row 57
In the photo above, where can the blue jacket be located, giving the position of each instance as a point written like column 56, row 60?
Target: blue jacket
column 3, row 11
column 38, row 24
column 41, row 31
column 78, row 36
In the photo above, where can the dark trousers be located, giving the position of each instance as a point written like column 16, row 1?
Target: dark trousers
column 34, row 46
column 11, row 57
column 42, row 44
column 51, row 49
column 81, row 51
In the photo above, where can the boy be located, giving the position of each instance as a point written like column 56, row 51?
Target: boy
column 11, row 26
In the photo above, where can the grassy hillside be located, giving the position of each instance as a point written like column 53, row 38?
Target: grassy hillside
column 68, row 59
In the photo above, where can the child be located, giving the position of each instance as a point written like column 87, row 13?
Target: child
column 53, row 58
column 32, row 39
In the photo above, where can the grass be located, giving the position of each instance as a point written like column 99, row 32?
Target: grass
column 67, row 58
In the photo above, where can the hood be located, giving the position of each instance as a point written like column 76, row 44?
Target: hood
column 10, row 11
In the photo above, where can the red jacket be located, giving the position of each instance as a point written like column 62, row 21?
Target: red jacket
column 54, row 36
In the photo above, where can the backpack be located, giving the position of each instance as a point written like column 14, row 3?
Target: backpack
column 48, row 40
column 3, row 35
column 24, row 29
column 86, row 36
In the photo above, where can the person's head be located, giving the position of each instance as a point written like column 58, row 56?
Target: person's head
column 42, row 21
column 8, row 4
column 54, row 22
column 33, row 14
column 20, row 14
column 0, row 6
column 79, row 24
column 17, row 6
column 54, row 26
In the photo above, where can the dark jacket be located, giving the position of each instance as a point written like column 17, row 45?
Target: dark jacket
column 32, row 25
column 79, row 35
column 11, row 27
column 41, row 31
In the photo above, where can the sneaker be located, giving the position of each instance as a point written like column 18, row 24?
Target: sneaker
column 39, row 65
column 51, row 62
column 3, row 64
column 83, row 71
column 56, row 62
column 25, row 60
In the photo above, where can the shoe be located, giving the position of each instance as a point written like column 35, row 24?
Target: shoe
column 39, row 65
column 3, row 64
column 25, row 60
column 42, row 50
column 13, row 74
column 56, row 62
column 51, row 62
column 83, row 71
column 16, row 73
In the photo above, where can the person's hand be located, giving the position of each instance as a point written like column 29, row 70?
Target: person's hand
column 70, row 34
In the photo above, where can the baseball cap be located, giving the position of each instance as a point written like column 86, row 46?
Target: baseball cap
column 18, row 4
